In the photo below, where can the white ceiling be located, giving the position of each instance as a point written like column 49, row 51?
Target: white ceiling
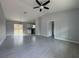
column 14, row 9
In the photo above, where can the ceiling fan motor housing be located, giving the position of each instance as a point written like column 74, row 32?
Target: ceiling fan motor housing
column 42, row 5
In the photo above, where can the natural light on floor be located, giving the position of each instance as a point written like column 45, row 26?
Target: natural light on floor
column 18, row 34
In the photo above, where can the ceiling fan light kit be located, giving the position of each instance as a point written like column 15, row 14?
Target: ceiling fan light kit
column 42, row 5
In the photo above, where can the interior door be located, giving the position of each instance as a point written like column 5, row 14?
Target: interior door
column 53, row 29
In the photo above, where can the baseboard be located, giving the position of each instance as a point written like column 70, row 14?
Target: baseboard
column 59, row 38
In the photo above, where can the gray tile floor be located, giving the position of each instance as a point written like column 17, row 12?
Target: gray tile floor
column 37, row 47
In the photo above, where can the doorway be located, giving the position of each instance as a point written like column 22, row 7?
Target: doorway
column 18, row 29
column 52, row 23
column 33, row 29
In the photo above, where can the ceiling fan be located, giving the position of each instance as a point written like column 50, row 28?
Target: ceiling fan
column 42, row 5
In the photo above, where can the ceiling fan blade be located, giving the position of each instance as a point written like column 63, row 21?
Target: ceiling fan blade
column 46, row 7
column 40, row 10
column 46, row 3
column 38, row 2
column 36, row 7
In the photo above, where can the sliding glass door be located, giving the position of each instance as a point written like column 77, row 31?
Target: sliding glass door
column 18, row 29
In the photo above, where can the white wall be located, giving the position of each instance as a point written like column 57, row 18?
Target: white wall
column 65, row 27
column 43, row 27
column 10, row 27
column 2, row 26
column 38, row 26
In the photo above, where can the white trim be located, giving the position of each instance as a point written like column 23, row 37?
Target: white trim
column 13, row 34
column 59, row 38
column 44, row 35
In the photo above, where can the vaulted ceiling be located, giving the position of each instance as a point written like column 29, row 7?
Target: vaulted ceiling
column 14, row 9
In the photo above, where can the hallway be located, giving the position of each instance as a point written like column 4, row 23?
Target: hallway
column 37, row 47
